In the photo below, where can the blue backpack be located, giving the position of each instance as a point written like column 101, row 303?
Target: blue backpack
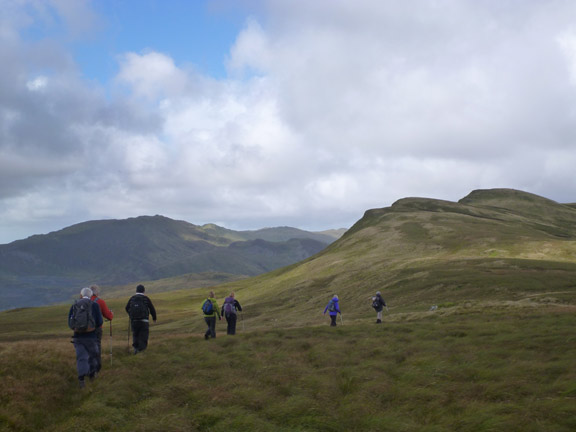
column 331, row 306
column 208, row 307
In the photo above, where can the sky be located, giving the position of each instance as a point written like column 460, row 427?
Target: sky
column 262, row 113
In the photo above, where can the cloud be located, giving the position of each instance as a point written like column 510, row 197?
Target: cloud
column 329, row 108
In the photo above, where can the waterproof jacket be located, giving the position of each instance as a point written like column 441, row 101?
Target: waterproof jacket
column 106, row 313
column 381, row 303
column 235, row 305
column 336, row 310
column 215, row 309
column 148, row 303
column 96, row 314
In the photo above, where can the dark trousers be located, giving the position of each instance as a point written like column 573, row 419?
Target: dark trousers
column 231, row 319
column 140, row 332
column 87, row 356
column 333, row 320
column 211, row 323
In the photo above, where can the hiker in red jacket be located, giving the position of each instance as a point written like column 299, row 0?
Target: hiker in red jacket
column 106, row 313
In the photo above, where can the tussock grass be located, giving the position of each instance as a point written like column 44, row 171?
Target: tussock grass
column 491, row 371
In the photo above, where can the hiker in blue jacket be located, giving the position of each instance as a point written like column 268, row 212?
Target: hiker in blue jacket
column 334, row 309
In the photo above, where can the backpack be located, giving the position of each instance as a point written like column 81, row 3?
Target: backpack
column 331, row 306
column 138, row 308
column 81, row 319
column 229, row 307
column 208, row 307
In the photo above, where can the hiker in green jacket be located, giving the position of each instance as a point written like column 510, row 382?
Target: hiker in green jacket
column 210, row 310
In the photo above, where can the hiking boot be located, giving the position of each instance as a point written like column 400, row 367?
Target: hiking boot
column 93, row 375
column 206, row 337
column 378, row 321
column 82, row 383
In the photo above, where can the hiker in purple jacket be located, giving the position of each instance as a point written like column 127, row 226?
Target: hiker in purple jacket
column 334, row 309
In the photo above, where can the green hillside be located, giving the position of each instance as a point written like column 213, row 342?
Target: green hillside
column 48, row 268
column 496, row 355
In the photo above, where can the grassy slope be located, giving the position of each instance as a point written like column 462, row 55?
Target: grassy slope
column 475, row 370
column 497, row 355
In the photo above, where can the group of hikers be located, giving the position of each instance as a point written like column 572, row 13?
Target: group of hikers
column 333, row 308
column 86, row 318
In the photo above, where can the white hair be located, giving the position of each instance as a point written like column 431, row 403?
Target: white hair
column 86, row 292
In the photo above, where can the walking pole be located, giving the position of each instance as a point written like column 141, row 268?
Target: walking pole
column 242, row 316
column 129, row 325
column 110, row 342
column 341, row 319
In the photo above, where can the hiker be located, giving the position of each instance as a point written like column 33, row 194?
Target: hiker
column 106, row 314
column 84, row 318
column 139, row 307
column 210, row 310
column 333, row 308
column 378, row 304
column 229, row 308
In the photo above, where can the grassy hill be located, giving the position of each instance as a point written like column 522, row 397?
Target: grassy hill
column 496, row 355
column 48, row 268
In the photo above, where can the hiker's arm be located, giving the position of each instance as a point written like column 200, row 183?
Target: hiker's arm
column 237, row 305
column 106, row 313
column 152, row 310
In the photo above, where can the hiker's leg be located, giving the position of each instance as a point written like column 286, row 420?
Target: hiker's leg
column 94, row 353
column 333, row 320
column 213, row 326
column 138, row 334
column 228, row 323
column 379, row 317
column 232, row 324
column 82, row 358
column 144, row 334
column 135, row 333
column 208, row 332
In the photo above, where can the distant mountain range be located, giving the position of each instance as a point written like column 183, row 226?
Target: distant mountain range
column 49, row 268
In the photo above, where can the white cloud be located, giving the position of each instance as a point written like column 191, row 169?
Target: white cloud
column 330, row 108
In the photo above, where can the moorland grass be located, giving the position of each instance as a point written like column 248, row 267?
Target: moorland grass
column 494, row 370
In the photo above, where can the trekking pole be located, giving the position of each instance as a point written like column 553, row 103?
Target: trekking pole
column 129, row 325
column 341, row 319
column 110, row 342
column 242, row 316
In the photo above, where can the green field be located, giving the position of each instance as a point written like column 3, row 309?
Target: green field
column 497, row 367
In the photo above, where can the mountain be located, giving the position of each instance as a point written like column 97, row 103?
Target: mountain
column 47, row 268
column 491, row 247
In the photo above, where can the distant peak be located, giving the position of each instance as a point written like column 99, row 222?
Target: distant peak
column 482, row 196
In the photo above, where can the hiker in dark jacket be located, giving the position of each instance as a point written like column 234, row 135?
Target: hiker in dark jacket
column 210, row 317
column 139, row 307
column 229, row 310
column 334, row 309
column 84, row 340
column 378, row 304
